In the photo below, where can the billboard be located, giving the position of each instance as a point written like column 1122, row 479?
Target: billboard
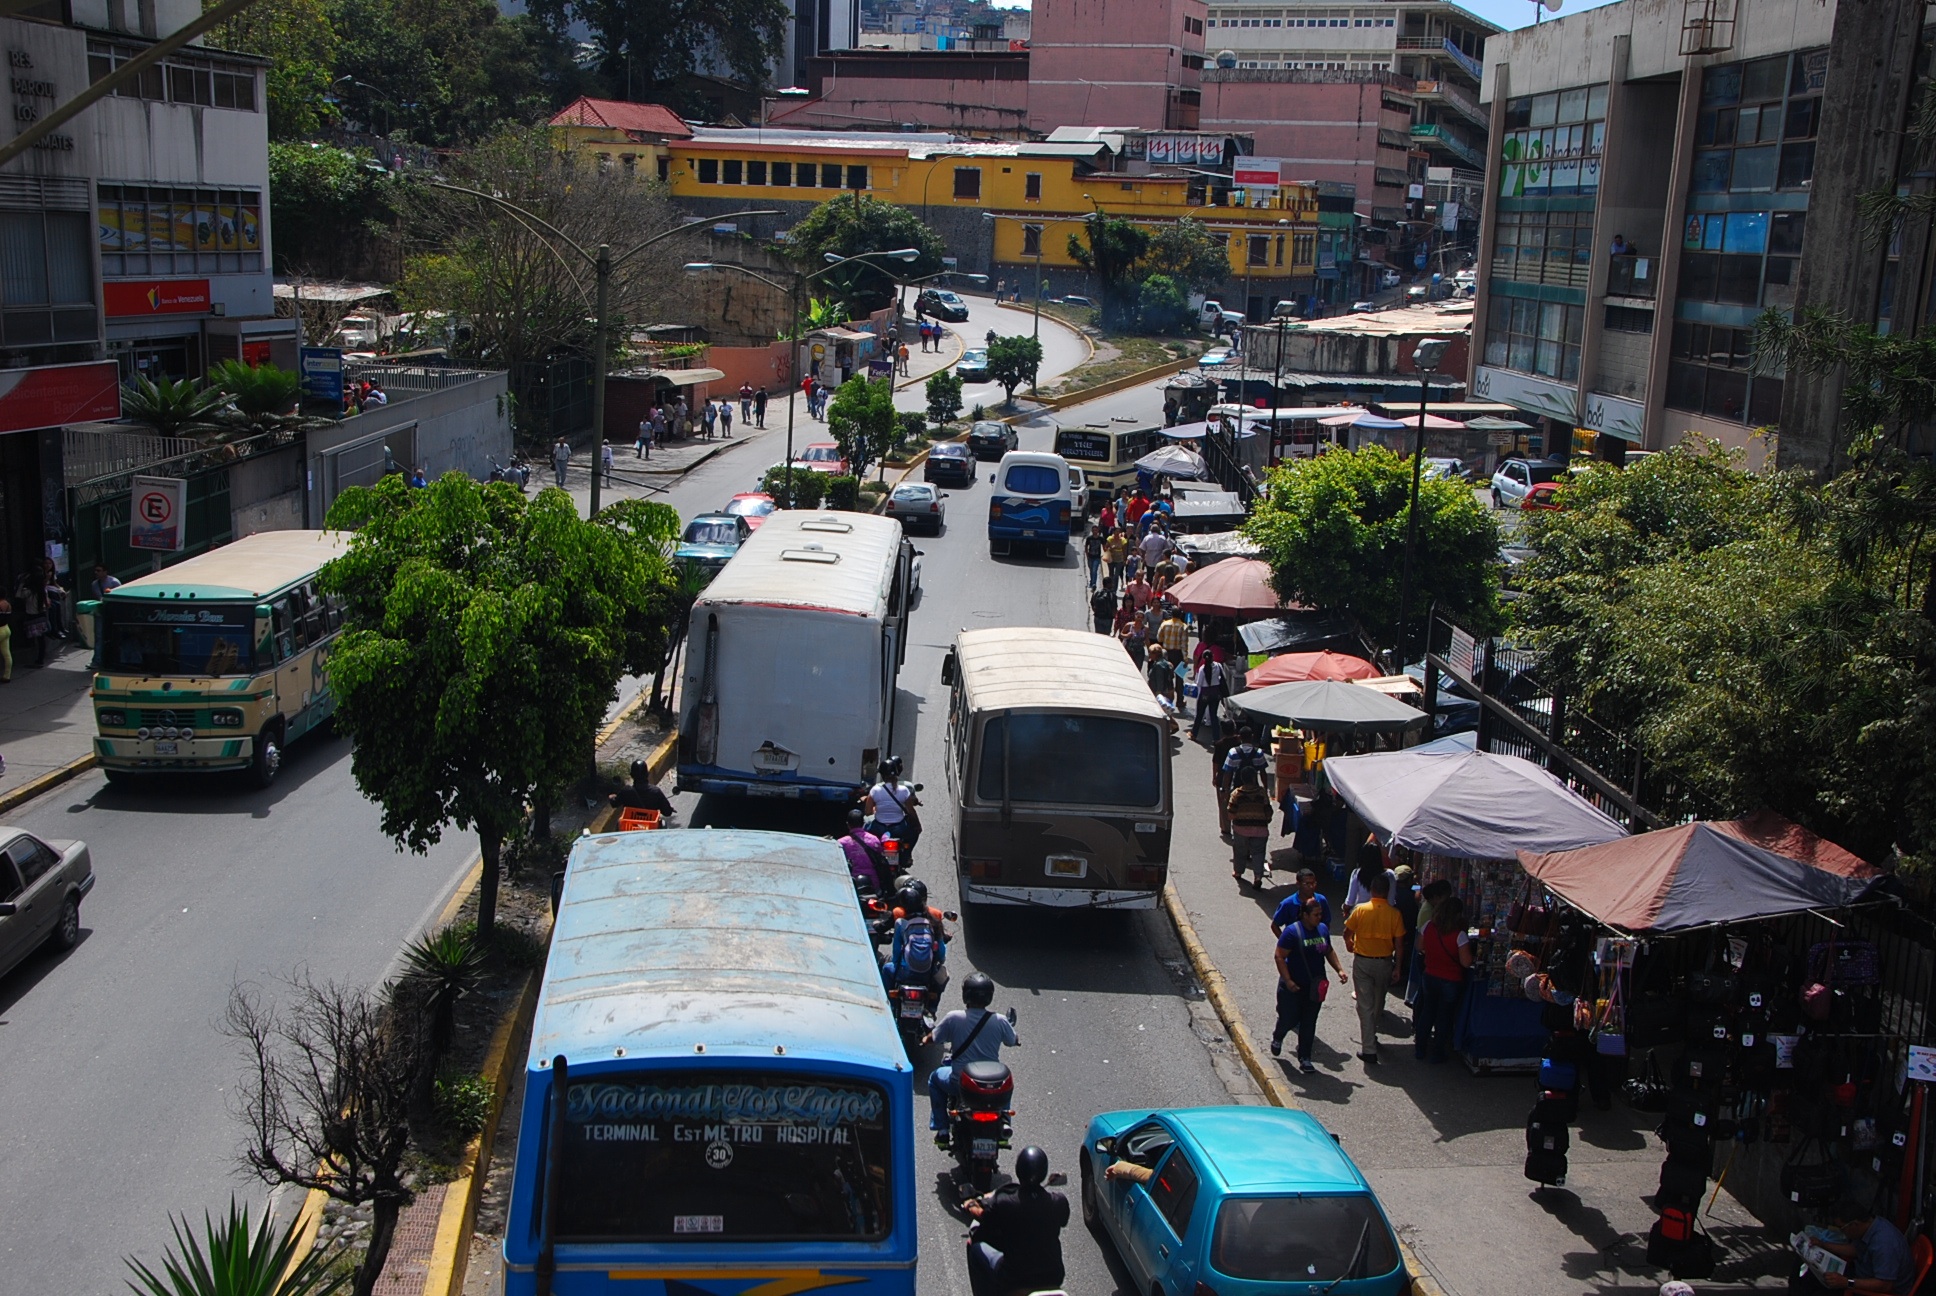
column 155, row 297
column 1258, row 172
column 56, row 395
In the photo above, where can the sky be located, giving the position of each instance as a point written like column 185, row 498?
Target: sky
column 1509, row 14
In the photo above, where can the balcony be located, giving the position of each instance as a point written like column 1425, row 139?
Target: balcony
column 1432, row 135
column 1456, row 97
column 1440, row 45
column 1633, row 276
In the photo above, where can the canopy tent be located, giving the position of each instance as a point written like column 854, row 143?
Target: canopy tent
column 1703, row 874
column 1186, row 431
column 1363, row 419
column 1451, row 745
column 1329, row 706
column 1298, row 630
column 1490, row 423
column 1432, row 422
column 1473, row 805
column 1174, row 461
column 1311, row 665
column 1235, row 588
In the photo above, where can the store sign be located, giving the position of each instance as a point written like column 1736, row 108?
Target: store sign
column 1523, row 391
column 156, row 297
column 157, row 509
column 1615, row 417
column 1258, row 172
column 56, row 395
column 322, row 374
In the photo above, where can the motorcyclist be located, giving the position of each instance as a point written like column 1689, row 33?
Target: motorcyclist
column 1017, row 1242
column 865, row 858
column 973, row 1033
column 891, row 805
column 919, row 954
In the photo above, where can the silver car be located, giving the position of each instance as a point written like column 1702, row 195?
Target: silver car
column 41, row 888
column 916, row 505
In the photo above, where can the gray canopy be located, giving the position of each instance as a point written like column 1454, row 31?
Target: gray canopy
column 1330, row 706
column 1473, row 805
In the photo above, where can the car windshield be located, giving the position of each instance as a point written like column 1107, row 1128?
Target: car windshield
column 948, row 451
column 725, row 1156
column 821, row 454
column 751, row 507
column 207, row 639
column 974, row 357
column 1054, row 760
column 1301, row 1239
column 1033, row 479
column 947, row 297
column 996, row 430
column 711, row 531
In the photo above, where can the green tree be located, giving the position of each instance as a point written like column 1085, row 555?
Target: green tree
column 231, row 1257
column 260, row 394
column 1013, row 361
column 645, row 48
column 852, row 224
column 173, row 407
column 861, row 418
column 1333, row 530
column 326, row 204
column 1189, row 253
column 1111, row 248
column 297, row 39
column 1161, row 306
column 944, row 396
column 483, row 638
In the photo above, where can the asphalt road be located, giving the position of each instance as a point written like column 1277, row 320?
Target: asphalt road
column 1107, row 1015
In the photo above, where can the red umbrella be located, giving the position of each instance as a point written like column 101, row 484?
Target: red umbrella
column 1289, row 667
column 1234, row 587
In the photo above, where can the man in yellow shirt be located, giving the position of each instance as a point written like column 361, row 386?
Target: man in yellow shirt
column 1372, row 933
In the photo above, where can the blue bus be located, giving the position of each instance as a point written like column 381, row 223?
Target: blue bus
column 1032, row 502
column 716, row 1098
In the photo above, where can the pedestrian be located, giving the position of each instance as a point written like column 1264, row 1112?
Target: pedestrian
column 1303, row 948
column 1106, row 518
column 1371, row 864
column 709, row 421
column 1876, row 1252
column 1404, row 898
column 681, row 418
column 644, row 435
column 560, row 456
column 1249, row 807
column 1139, row 504
column 605, row 461
column 1138, row 592
column 375, row 395
column 56, row 594
column 746, row 402
column 103, row 582
column 1173, row 634
column 903, row 354
column 726, row 418
column 1102, row 610
column 1430, row 897
column 1233, row 759
column 6, row 641
column 1212, row 683
column 658, row 436
column 1444, row 956
column 1115, row 552
column 1092, row 555
column 1307, row 892
column 1372, row 932
column 759, row 408
column 1134, row 634
column 33, row 622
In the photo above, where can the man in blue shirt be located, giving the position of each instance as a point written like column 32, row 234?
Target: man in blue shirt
column 1307, row 890
column 1302, row 952
column 975, row 1033
column 1877, row 1253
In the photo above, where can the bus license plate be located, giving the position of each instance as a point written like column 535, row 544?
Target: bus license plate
column 1068, row 866
column 1026, row 532
column 165, row 749
column 984, row 1148
column 910, row 1008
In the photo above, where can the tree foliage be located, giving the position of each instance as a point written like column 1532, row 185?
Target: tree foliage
column 297, row 38
column 259, row 394
column 944, row 396
column 1111, row 249
column 852, row 224
column 1333, row 530
column 232, row 1257
column 1189, row 253
column 1765, row 638
column 1013, row 361
column 1161, row 306
column 483, row 638
column 862, row 419
column 325, row 203
column 173, row 407
column 644, row 48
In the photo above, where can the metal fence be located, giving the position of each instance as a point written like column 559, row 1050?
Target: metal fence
column 88, row 453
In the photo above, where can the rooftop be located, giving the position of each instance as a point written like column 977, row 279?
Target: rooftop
column 616, row 114
column 916, row 146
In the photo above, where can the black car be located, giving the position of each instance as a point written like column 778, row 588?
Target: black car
column 949, row 463
column 990, row 439
column 939, row 303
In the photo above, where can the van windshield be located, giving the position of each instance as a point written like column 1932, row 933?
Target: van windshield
column 1058, row 760
column 178, row 638
column 1033, row 479
column 725, row 1156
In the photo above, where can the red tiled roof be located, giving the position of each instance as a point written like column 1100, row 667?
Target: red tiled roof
column 616, row 114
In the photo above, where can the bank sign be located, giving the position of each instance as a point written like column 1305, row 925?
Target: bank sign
column 1534, row 395
column 1615, row 417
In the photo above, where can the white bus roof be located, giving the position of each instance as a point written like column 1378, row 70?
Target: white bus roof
column 816, row 559
column 1033, row 667
column 253, row 567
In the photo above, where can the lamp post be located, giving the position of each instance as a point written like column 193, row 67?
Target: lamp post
column 1425, row 358
column 603, row 263
column 800, row 280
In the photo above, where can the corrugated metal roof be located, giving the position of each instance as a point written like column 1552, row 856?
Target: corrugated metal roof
column 1064, row 670
column 736, row 940
column 807, row 558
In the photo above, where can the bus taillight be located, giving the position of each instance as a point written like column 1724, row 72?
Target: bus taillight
column 1146, row 875
column 982, row 868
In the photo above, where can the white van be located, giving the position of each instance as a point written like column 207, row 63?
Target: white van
column 1032, row 502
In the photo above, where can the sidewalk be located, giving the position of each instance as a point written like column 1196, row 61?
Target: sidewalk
column 46, row 718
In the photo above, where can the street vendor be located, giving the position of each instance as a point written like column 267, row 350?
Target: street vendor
column 1876, row 1252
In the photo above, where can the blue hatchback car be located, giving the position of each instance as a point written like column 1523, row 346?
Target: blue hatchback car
column 1239, row 1201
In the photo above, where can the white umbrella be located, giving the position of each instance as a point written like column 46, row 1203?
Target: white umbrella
column 1174, row 461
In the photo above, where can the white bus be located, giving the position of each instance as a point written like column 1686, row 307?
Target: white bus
column 791, row 659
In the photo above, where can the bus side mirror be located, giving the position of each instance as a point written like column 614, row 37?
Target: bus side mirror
column 948, row 667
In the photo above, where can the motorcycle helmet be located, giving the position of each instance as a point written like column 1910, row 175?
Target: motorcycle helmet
column 1032, row 1166
column 890, row 769
column 978, row 991
column 855, row 819
column 917, row 889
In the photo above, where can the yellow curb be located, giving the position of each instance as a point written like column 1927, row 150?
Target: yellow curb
column 1114, row 385
column 53, row 778
column 1267, row 1076
column 461, row 894
column 309, row 1221
column 617, row 722
column 961, row 346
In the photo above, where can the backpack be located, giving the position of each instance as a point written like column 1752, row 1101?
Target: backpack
column 917, row 945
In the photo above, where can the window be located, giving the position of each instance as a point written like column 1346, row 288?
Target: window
column 1256, row 249
column 1303, row 1239
column 783, row 173
column 731, row 171
column 1032, row 186
column 708, row 170
column 46, row 278
column 1772, row 139
column 1711, row 372
column 756, row 173
column 1550, row 247
column 1280, row 249
column 968, row 183
column 1557, row 145
column 856, row 177
column 1031, row 240
column 1303, row 249
column 1535, row 337
column 1050, row 757
column 830, row 175
column 1629, row 319
column 213, row 639
column 1174, row 1190
column 182, row 79
column 31, row 858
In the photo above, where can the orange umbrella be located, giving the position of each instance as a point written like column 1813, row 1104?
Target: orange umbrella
column 1327, row 665
column 1235, row 587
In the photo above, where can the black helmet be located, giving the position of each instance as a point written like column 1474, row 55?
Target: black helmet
column 891, row 768
column 914, row 891
column 855, row 818
column 978, row 991
column 1032, row 1166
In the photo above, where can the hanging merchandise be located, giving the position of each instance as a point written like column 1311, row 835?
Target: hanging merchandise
column 1811, row 1178
column 1647, row 1092
column 1610, row 1034
column 1676, row 1244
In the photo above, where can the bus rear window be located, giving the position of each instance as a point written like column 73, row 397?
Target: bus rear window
column 1033, row 479
column 725, row 1156
column 1085, row 760
column 178, row 638
column 1092, row 446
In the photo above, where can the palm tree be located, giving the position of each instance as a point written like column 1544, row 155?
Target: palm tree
column 173, row 407
column 233, row 1259
column 262, row 394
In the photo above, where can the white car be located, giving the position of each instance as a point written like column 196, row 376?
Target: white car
column 1363, row 307
column 1515, row 479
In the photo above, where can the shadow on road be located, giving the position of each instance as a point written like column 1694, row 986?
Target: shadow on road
column 228, row 793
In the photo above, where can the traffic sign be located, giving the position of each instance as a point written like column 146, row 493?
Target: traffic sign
column 157, row 509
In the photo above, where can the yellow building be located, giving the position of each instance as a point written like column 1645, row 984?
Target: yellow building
column 632, row 136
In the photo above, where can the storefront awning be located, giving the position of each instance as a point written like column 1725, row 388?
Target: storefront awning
column 1470, row 806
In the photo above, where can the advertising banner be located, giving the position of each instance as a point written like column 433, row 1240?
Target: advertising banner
column 56, row 395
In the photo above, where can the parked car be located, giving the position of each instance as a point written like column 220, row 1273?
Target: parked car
column 821, row 457
column 41, row 887
column 1453, row 468
column 1417, row 295
column 1077, row 299
column 939, row 303
column 991, row 439
column 1213, row 318
column 973, row 365
column 751, row 505
column 1215, row 357
column 710, row 539
column 1543, row 495
column 917, row 505
column 1516, row 477
column 949, row 463
column 1363, row 307
column 1236, row 1199
column 1388, row 279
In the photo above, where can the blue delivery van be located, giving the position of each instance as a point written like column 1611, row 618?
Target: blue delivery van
column 1032, row 503
column 716, row 1098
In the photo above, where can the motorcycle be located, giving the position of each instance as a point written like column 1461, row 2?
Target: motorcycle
column 914, row 1012
column 517, row 473
column 875, row 912
column 980, row 1118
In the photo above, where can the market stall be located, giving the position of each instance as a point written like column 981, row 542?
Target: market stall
column 1171, row 461
column 1465, row 817
column 1288, row 667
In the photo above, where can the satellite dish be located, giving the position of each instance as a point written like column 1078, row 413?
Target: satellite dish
column 1227, row 58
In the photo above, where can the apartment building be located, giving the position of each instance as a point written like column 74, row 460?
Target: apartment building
column 1651, row 180
column 1115, row 63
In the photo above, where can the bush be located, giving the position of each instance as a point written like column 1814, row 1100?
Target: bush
column 843, row 493
column 462, row 1102
column 979, row 413
column 944, row 397
column 913, row 427
column 1161, row 306
column 809, row 488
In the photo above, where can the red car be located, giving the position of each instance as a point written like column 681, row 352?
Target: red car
column 1543, row 495
column 751, row 505
column 822, row 457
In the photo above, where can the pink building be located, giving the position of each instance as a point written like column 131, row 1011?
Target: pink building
column 1347, row 126
column 966, row 92
column 1116, row 63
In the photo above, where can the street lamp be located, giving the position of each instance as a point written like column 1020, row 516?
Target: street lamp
column 602, row 262
column 1425, row 358
column 800, row 280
